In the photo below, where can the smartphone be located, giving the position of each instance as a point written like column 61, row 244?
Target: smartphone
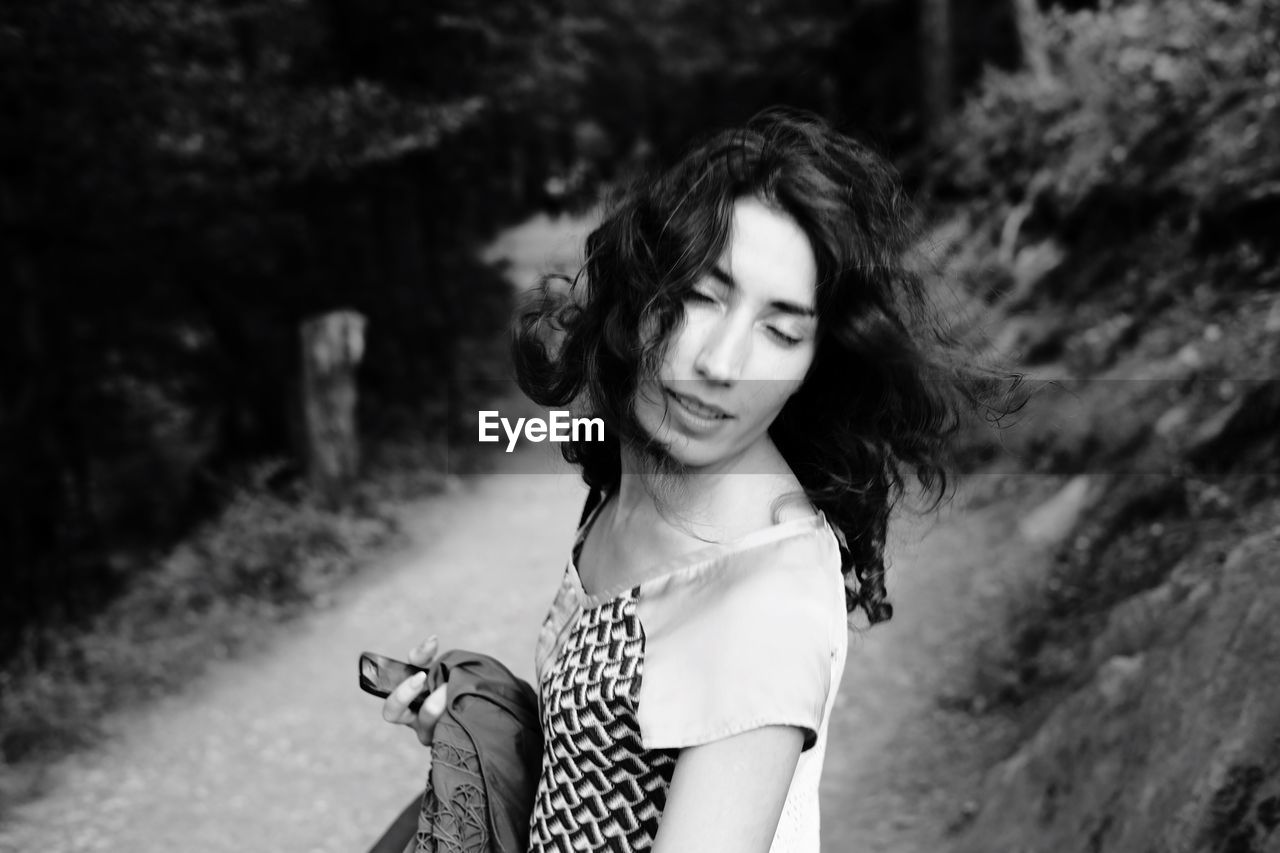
column 380, row 675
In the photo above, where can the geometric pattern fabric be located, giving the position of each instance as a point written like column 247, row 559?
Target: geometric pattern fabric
column 599, row 789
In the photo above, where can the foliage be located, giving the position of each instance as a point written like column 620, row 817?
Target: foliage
column 186, row 180
column 1146, row 169
column 190, row 180
column 1152, row 99
column 262, row 560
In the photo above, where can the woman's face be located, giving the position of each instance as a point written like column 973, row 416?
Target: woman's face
column 744, row 347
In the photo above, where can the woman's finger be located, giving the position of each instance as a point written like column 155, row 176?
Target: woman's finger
column 429, row 714
column 425, row 652
column 396, row 708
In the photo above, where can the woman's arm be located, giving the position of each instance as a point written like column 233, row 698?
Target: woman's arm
column 727, row 795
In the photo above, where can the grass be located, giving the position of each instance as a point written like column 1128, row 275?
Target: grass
column 266, row 558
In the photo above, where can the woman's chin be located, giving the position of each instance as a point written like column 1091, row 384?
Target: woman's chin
column 680, row 454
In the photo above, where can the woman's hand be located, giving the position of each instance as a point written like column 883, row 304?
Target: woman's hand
column 396, row 707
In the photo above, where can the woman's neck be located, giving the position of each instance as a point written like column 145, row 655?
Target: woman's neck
column 708, row 504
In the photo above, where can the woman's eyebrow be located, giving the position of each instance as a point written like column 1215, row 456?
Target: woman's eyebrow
column 720, row 275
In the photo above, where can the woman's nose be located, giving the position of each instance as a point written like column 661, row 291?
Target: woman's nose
column 723, row 351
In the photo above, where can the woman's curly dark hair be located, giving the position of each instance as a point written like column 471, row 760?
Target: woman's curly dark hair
column 888, row 385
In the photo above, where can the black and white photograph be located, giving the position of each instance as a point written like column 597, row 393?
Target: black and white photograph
column 687, row 426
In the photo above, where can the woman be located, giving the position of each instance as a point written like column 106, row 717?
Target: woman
column 768, row 371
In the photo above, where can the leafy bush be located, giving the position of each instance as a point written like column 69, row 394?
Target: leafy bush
column 1146, row 167
column 1174, row 99
column 263, row 559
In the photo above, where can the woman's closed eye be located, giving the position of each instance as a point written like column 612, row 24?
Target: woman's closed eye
column 700, row 297
column 784, row 337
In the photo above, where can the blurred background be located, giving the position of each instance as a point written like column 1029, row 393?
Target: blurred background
column 189, row 186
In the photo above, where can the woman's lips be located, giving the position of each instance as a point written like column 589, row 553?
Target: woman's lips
column 698, row 408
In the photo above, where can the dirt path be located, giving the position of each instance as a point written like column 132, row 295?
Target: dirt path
column 282, row 751
column 903, row 760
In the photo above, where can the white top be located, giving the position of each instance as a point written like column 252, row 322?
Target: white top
column 728, row 638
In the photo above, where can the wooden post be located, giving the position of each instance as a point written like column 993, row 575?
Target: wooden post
column 332, row 346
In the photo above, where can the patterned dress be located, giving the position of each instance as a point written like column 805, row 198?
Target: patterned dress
column 723, row 640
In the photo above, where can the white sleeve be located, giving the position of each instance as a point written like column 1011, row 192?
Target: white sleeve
column 748, row 642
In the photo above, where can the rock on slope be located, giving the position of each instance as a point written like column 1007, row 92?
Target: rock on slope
column 1174, row 743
